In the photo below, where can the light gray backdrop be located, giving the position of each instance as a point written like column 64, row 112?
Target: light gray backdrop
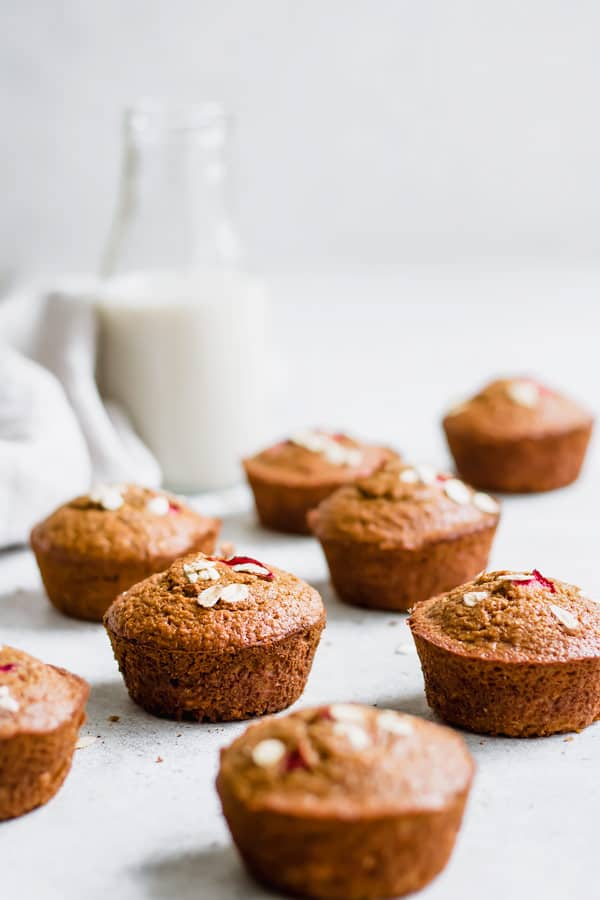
column 371, row 132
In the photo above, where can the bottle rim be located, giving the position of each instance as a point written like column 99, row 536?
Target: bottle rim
column 152, row 118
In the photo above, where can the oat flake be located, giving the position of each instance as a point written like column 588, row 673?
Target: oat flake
column 472, row 598
column 250, row 569
column 268, row 753
column 347, row 712
column 108, row 496
column 566, row 618
column 395, row 723
column 523, row 393
column 7, row 701
column 158, row 506
column 201, row 570
column 408, row 476
column 232, row 593
column 356, row 736
column 85, row 741
column 456, row 490
column 485, row 503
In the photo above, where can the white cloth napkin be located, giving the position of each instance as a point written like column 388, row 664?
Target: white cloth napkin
column 57, row 435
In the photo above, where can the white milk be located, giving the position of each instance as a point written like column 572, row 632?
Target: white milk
column 187, row 357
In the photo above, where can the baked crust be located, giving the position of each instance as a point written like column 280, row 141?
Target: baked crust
column 517, row 657
column 87, row 554
column 289, row 479
column 41, row 710
column 390, row 541
column 501, row 443
column 235, row 659
column 361, row 803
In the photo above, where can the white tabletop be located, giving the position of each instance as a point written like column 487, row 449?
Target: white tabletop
column 127, row 826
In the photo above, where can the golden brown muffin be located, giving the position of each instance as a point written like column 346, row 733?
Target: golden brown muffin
column 518, row 436
column 294, row 476
column 511, row 653
column 97, row 546
column 41, row 710
column 216, row 640
column 345, row 801
column 403, row 534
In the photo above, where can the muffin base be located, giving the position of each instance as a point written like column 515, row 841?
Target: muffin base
column 282, row 507
column 339, row 859
column 527, row 465
column 34, row 766
column 84, row 589
column 510, row 698
column 223, row 687
column 394, row 578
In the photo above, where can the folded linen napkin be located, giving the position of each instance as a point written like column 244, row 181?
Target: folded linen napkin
column 57, row 434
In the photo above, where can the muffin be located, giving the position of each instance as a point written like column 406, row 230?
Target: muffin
column 98, row 545
column 216, row 639
column 518, row 436
column 41, row 710
column 403, row 534
column 345, row 801
column 294, row 476
column 511, row 653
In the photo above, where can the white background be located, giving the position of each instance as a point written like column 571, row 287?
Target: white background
column 370, row 132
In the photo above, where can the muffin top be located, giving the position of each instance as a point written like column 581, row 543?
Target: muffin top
column 403, row 506
column 512, row 617
column 121, row 522
column 315, row 457
column 34, row 697
column 347, row 761
column 206, row 604
column 510, row 408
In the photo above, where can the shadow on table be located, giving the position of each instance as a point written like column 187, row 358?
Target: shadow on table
column 209, row 873
column 32, row 609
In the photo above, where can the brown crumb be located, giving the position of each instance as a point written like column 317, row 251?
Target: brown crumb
column 159, row 759
column 114, row 718
column 567, row 739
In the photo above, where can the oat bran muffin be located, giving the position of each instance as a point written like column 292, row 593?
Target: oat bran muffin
column 345, row 801
column 402, row 534
column 518, row 436
column 511, row 653
column 98, row 545
column 41, row 710
column 294, row 476
column 216, row 640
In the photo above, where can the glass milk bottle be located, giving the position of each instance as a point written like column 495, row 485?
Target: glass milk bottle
column 183, row 344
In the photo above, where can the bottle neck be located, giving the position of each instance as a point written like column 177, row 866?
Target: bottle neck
column 174, row 209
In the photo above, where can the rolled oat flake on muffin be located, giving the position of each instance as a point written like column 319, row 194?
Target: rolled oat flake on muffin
column 524, row 393
column 269, row 752
column 565, row 618
column 231, row 593
column 107, row 496
column 7, row 701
